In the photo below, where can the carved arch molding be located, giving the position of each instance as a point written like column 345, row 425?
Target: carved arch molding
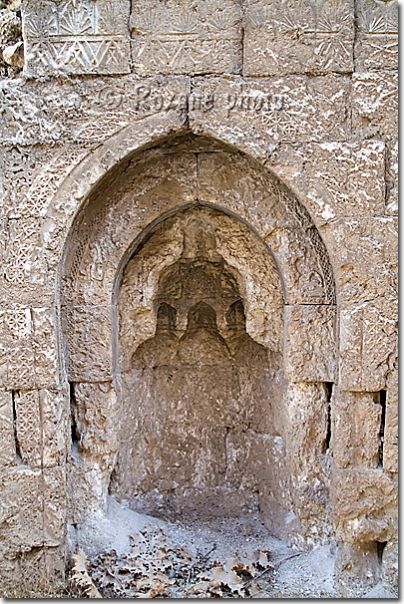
column 198, row 332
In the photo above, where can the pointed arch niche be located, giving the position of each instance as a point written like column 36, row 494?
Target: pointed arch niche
column 198, row 318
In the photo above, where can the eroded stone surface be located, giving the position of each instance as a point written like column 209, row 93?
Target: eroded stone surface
column 376, row 42
column 188, row 37
column 288, row 37
column 210, row 259
column 76, row 37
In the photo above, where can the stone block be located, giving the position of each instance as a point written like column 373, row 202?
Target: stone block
column 282, row 37
column 376, row 40
column 186, row 37
column 21, row 515
column 45, row 347
column 310, row 347
column 16, row 350
column 390, row 447
column 375, row 105
column 356, row 427
column 255, row 115
column 96, row 415
column 308, row 458
column 363, row 253
column 7, row 442
column 359, row 495
column 54, row 512
column 232, row 180
column 335, row 179
column 390, row 564
column 88, row 334
column 368, row 347
column 76, row 37
column 55, row 424
column 28, row 427
column 28, row 349
column 89, row 111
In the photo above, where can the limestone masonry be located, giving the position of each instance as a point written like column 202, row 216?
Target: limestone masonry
column 198, row 293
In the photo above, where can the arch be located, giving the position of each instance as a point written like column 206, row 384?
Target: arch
column 130, row 202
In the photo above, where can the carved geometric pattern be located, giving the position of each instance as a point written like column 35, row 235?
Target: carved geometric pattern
column 317, row 244
column 291, row 36
column 77, row 36
column 377, row 38
column 168, row 38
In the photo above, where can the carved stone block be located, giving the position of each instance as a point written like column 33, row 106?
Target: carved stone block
column 310, row 348
column 267, row 111
column 16, row 349
column 376, row 40
column 356, row 427
column 284, row 37
column 375, row 105
column 45, row 347
column 54, row 513
column 54, row 405
column 28, row 349
column 88, row 332
column 28, row 425
column 90, row 111
column 188, row 37
column 7, row 442
column 363, row 252
column 21, row 513
column 367, row 346
column 76, row 36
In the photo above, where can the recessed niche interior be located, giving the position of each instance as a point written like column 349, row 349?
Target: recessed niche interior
column 201, row 396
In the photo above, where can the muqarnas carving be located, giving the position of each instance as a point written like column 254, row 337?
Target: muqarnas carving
column 196, row 393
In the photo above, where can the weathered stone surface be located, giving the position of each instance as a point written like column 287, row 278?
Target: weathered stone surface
column 54, row 512
column 392, row 178
column 54, row 408
column 390, row 563
column 356, row 429
column 336, row 178
column 88, row 333
column 28, row 355
column 375, row 105
column 376, row 40
column 266, row 111
column 364, row 258
column 288, row 37
column 21, row 526
column 87, row 111
column 368, row 347
column 28, row 428
column 361, row 497
column 76, row 37
column 188, row 37
column 7, row 442
column 310, row 343
column 307, row 446
column 183, row 248
column 390, row 446
column 96, row 416
column 10, row 36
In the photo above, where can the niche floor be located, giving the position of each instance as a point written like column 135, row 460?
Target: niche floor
column 294, row 574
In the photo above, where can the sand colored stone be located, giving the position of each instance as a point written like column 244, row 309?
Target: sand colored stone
column 198, row 244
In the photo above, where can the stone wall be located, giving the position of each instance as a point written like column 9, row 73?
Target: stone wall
column 273, row 123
